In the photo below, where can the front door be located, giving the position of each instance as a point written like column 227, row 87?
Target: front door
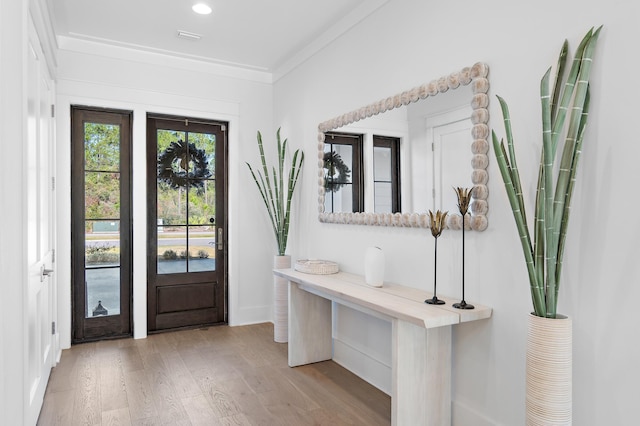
column 186, row 188
column 101, row 223
column 41, row 290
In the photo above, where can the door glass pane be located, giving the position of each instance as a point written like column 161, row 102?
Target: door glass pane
column 103, row 292
column 381, row 163
column 165, row 137
column 102, row 195
column 102, row 274
column 202, row 248
column 340, row 200
column 172, row 249
column 202, row 204
column 173, row 159
column 102, row 243
column 382, row 192
column 207, row 144
column 172, row 205
column 382, row 197
column 101, row 147
column 338, row 161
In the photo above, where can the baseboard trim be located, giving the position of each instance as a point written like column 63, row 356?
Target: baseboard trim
column 463, row 415
column 251, row 315
column 359, row 363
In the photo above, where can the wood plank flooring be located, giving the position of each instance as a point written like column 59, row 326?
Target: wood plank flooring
column 215, row 376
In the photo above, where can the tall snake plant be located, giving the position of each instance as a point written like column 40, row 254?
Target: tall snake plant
column 276, row 196
column 569, row 96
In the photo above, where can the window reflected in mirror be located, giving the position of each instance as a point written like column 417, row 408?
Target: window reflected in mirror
column 343, row 187
column 386, row 174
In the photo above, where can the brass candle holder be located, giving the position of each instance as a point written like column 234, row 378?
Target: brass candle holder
column 437, row 223
column 464, row 199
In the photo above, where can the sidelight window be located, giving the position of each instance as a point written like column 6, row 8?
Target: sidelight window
column 386, row 174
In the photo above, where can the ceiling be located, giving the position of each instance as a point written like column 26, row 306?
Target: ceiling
column 252, row 34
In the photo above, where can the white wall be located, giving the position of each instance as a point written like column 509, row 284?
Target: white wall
column 119, row 78
column 409, row 42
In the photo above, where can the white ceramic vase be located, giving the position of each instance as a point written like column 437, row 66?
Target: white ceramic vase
column 374, row 266
column 549, row 364
column 281, row 301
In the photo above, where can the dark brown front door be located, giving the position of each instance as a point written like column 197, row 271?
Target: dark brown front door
column 101, row 223
column 186, row 187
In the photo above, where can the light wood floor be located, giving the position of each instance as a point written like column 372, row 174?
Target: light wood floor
column 216, row 376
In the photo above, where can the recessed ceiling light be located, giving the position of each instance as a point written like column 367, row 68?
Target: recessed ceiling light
column 201, row 9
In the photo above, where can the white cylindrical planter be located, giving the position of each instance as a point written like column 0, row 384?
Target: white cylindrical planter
column 374, row 266
column 549, row 364
column 281, row 301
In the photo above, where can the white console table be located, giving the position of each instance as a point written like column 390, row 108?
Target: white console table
column 421, row 337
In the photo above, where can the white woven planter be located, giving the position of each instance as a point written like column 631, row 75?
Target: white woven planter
column 281, row 301
column 549, row 364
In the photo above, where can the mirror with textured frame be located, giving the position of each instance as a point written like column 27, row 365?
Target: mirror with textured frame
column 434, row 102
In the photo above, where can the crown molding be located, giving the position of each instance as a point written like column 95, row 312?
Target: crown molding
column 146, row 55
column 342, row 26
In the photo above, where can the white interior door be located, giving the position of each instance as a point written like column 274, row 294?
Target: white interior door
column 451, row 136
column 40, row 292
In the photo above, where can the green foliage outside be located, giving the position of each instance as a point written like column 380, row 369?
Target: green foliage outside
column 102, row 179
column 102, row 253
column 102, row 176
column 172, row 202
column 170, row 254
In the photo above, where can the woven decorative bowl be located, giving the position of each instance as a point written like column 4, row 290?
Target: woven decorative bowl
column 317, row 267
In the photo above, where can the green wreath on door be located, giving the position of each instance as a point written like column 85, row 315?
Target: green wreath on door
column 336, row 172
column 182, row 164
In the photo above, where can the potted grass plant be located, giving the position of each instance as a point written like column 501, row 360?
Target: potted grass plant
column 565, row 111
column 276, row 186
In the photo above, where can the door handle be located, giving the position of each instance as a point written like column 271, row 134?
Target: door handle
column 44, row 272
column 220, row 237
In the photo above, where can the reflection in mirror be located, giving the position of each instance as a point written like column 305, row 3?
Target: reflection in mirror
column 342, row 173
column 386, row 174
column 414, row 150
